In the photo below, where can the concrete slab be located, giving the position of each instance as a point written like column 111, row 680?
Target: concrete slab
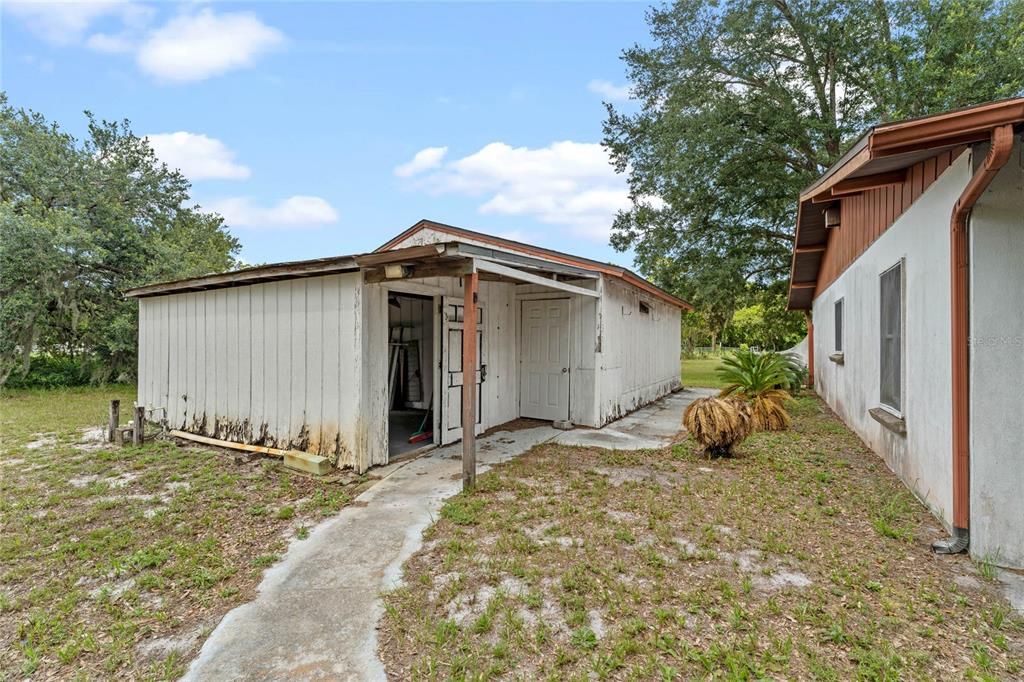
column 316, row 613
column 1012, row 583
column 652, row 426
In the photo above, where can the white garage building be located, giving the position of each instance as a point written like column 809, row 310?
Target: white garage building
column 351, row 357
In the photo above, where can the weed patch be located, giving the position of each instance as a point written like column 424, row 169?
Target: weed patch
column 802, row 558
column 115, row 561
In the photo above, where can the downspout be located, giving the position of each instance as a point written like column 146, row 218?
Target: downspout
column 810, row 349
column 998, row 154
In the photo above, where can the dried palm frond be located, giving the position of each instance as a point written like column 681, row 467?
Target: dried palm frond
column 746, row 417
column 768, row 414
column 715, row 424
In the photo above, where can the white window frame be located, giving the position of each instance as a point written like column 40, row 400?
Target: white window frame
column 902, row 265
column 839, row 325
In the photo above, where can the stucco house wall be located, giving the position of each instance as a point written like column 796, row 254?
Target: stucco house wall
column 997, row 365
column 921, row 458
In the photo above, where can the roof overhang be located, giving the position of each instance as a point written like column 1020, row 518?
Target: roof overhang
column 881, row 157
column 253, row 275
column 493, row 258
column 504, row 246
column 455, row 259
column 451, row 259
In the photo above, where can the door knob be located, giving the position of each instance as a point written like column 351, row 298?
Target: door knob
column 564, row 370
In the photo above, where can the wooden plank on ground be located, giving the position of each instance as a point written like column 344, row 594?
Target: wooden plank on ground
column 273, row 452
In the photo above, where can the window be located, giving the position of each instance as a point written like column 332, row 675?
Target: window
column 644, row 308
column 839, row 326
column 891, row 336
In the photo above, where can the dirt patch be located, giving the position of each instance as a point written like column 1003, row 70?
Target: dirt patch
column 520, row 424
column 803, row 557
column 619, row 475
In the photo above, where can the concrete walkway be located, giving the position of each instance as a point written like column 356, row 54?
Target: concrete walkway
column 316, row 614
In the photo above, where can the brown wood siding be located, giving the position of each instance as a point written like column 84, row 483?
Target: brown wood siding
column 866, row 216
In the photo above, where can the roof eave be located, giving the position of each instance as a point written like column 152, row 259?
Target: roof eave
column 952, row 128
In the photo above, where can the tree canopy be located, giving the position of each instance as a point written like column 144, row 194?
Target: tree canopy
column 743, row 103
column 80, row 222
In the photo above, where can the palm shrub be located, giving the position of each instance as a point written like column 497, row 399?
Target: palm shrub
column 758, row 379
column 716, row 424
column 796, row 372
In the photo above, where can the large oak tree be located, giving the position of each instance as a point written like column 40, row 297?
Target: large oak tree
column 743, row 103
column 80, row 222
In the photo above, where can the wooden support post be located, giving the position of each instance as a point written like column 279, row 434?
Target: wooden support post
column 470, row 284
column 115, row 416
column 138, row 433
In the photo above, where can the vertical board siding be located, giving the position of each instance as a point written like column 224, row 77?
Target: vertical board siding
column 639, row 359
column 302, row 364
column 314, row 370
column 257, row 359
column 295, row 363
column 866, row 216
column 271, row 364
column 333, row 391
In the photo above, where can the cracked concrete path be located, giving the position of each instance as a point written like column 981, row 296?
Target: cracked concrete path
column 316, row 613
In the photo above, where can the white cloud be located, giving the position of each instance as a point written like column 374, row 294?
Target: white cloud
column 294, row 212
column 191, row 46
column 571, row 184
column 197, row 156
column 197, row 46
column 608, row 90
column 110, row 43
column 64, row 23
column 424, row 160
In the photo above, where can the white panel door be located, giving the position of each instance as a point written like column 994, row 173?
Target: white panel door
column 544, row 364
column 452, row 375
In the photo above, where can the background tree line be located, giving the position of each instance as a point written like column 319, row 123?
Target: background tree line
column 80, row 222
column 743, row 103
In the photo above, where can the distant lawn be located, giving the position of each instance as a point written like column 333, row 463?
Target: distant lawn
column 701, row 372
column 115, row 562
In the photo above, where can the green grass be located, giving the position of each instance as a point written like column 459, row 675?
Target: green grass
column 104, row 547
column 802, row 558
column 700, row 372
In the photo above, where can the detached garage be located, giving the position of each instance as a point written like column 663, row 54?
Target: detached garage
column 353, row 357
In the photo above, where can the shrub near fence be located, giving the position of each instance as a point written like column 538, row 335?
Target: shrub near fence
column 52, row 371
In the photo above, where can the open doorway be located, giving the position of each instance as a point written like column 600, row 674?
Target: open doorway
column 410, row 373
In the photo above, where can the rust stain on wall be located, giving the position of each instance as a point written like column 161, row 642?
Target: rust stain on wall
column 323, row 439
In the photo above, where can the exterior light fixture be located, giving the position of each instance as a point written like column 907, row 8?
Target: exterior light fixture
column 832, row 216
column 396, row 271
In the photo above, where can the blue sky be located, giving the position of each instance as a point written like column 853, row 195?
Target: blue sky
column 325, row 128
